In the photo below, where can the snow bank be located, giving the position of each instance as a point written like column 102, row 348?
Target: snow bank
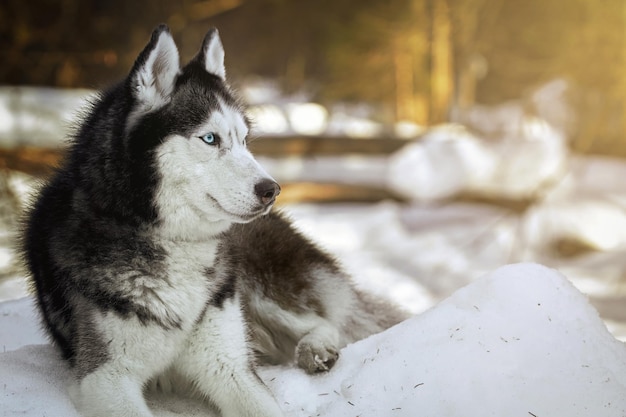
column 449, row 159
column 39, row 116
column 19, row 325
column 588, row 206
column 521, row 341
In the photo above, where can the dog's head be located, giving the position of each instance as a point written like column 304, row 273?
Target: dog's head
column 197, row 132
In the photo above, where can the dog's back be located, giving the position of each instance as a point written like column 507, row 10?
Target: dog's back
column 49, row 213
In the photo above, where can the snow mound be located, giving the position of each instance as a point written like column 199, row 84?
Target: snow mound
column 521, row 341
column 449, row 159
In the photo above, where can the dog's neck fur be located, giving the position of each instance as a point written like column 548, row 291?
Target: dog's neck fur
column 180, row 228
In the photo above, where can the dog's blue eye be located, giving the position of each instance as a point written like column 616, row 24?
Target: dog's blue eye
column 210, row 138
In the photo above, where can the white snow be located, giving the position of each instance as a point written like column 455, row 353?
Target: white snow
column 521, row 341
column 307, row 118
column 449, row 160
column 38, row 116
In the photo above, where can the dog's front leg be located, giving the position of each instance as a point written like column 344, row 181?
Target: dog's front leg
column 218, row 362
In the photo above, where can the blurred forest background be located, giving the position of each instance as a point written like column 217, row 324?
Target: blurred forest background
column 416, row 60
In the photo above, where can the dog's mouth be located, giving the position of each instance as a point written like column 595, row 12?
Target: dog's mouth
column 257, row 211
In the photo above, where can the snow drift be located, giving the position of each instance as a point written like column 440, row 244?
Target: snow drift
column 521, row 341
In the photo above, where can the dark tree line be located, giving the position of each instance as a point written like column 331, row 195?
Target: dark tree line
column 415, row 58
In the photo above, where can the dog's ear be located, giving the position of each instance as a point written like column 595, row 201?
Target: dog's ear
column 211, row 55
column 154, row 74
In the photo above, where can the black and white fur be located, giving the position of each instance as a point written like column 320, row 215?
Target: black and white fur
column 154, row 252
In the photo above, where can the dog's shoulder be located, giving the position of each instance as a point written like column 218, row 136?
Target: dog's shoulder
column 274, row 261
column 273, row 241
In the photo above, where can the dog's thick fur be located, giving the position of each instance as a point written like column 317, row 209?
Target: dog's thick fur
column 154, row 252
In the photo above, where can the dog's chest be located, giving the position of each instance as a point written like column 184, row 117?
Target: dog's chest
column 189, row 281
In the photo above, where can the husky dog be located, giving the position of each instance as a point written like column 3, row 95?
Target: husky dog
column 154, row 251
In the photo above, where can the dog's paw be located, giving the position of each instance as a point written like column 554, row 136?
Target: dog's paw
column 315, row 358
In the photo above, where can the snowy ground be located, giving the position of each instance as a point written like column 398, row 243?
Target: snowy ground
column 520, row 341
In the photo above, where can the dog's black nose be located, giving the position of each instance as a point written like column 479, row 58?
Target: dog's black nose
column 267, row 190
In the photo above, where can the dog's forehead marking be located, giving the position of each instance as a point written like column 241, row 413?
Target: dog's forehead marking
column 229, row 122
